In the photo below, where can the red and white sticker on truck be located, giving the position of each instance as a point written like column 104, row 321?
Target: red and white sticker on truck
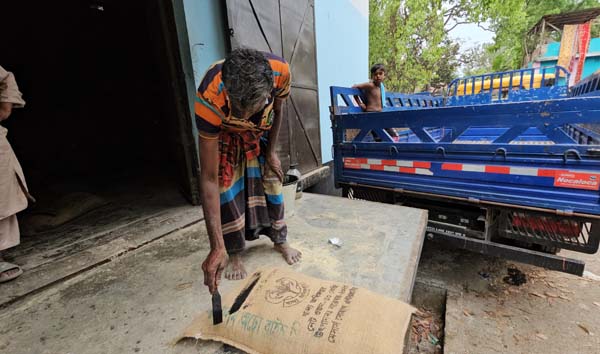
column 567, row 179
column 562, row 178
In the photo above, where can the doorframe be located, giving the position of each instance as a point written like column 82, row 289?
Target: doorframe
column 181, row 73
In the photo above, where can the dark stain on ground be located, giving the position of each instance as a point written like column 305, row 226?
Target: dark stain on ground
column 515, row 277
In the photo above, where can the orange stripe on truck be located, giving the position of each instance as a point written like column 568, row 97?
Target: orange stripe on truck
column 452, row 166
column 497, row 169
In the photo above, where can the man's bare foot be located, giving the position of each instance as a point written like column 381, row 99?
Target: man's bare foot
column 291, row 255
column 235, row 268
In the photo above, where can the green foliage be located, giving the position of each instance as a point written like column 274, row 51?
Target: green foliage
column 511, row 19
column 445, row 69
column 410, row 37
column 407, row 37
column 477, row 60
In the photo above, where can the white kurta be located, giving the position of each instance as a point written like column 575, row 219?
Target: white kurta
column 12, row 197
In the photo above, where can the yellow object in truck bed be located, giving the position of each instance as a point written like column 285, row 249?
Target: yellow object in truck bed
column 472, row 89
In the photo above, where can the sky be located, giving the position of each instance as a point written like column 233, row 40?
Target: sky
column 471, row 35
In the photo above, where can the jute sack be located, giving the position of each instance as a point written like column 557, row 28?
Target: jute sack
column 279, row 311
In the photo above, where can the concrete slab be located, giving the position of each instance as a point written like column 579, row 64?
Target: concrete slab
column 141, row 301
column 381, row 243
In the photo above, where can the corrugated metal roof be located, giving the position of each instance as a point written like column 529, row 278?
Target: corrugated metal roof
column 569, row 18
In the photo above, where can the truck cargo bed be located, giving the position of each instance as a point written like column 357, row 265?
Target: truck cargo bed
column 510, row 149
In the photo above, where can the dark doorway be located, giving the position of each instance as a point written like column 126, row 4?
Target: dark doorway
column 99, row 98
column 104, row 137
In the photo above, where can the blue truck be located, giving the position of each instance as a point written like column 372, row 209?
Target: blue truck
column 508, row 163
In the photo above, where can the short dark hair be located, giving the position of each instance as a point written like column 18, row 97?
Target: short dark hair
column 247, row 76
column 376, row 67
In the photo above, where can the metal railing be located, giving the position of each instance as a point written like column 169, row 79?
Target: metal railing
column 515, row 85
column 588, row 86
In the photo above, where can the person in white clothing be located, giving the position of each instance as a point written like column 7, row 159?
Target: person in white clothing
column 13, row 190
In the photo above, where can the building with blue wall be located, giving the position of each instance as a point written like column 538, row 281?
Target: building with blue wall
column 592, row 58
column 206, row 29
column 342, row 28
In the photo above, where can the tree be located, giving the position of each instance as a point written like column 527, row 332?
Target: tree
column 477, row 60
column 411, row 38
column 446, row 68
column 511, row 19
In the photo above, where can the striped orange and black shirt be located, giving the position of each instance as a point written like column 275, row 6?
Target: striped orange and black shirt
column 212, row 104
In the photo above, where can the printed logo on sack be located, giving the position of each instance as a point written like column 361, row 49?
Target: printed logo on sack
column 288, row 292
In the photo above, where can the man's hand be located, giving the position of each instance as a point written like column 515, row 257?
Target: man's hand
column 5, row 110
column 275, row 165
column 213, row 266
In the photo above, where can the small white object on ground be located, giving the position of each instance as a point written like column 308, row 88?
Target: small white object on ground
column 336, row 242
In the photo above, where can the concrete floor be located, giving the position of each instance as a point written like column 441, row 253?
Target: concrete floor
column 142, row 301
column 553, row 313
